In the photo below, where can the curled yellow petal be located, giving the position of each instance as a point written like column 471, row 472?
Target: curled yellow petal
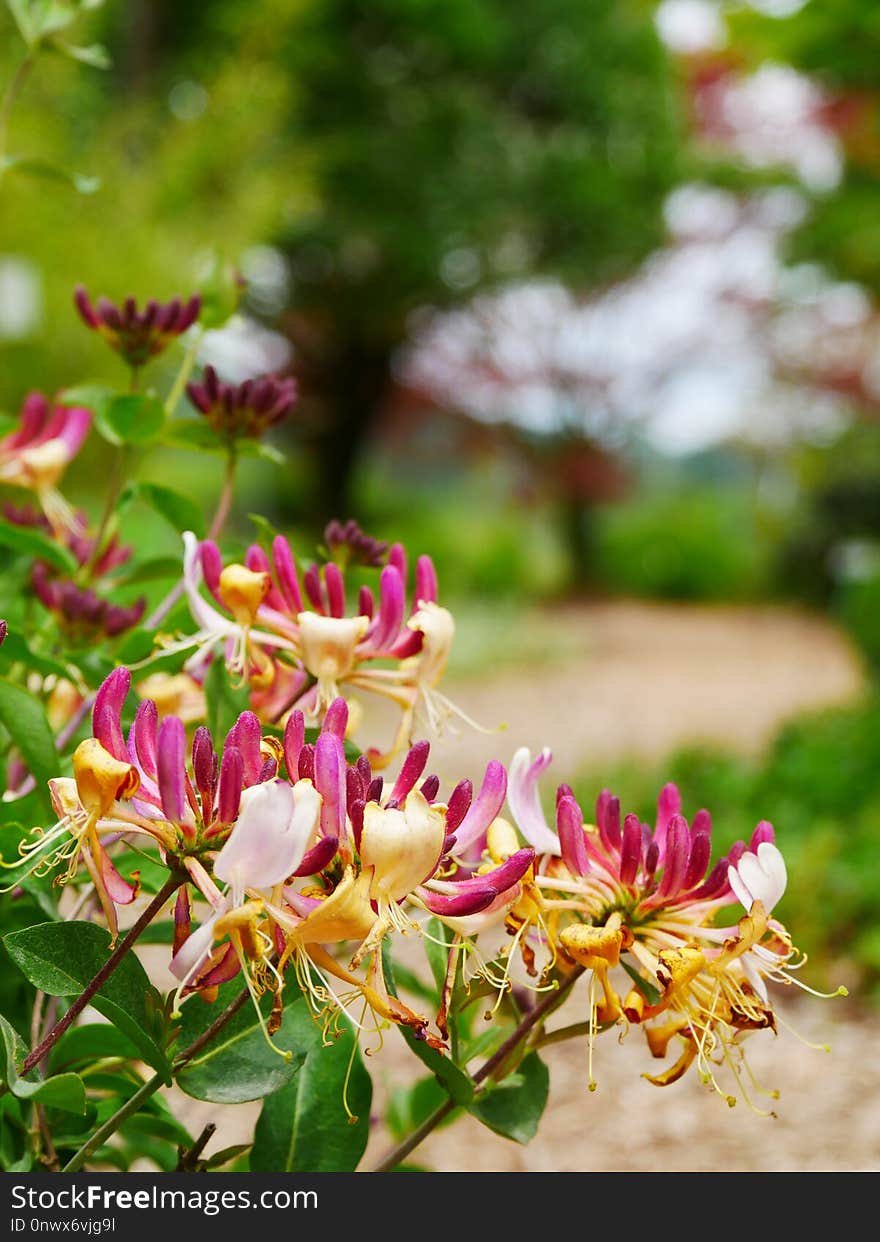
column 243, row 590
column 100, row 778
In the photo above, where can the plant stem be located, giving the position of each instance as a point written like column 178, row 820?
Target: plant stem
column 217, row 523
column 113, row 490
column 189, row 361
column 12, row 93
column 486, row 1070
column 151, row 1086
column 94, row 985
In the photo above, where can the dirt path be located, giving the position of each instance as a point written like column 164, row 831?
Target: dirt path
column 636, row 680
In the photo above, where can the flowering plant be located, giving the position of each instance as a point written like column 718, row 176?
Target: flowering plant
column 201, row 773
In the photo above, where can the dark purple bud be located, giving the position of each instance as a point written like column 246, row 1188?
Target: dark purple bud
column 630, row 849
column 460, row 905
column 268, row 771
column 570, row 828
column 306, row 764
column 356, row 815
column 701, row 850
column 652, row 858
column 430, row 787
column 171, row 768
column 366, row 602
column 678, row 842
column 317, row 858
column 374, row 792
column 365, row 770
column 412, row 768
column 354, row 787
column 312, row 584
column 231, row 782
column 294, row 737
column 459, row 804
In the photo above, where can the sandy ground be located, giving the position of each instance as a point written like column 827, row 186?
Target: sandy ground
column 637, row 680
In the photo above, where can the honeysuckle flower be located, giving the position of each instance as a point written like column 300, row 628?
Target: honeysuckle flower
column 246, row 410
column 187, row 804
column 36, row 455
column 619, row 892
column 138, row 335
column 274, row 621
column 275, row 825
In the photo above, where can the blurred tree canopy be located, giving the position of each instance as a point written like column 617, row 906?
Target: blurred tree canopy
column 401, row 153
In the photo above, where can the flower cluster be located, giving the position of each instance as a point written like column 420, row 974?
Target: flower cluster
column 294, row 638
column 37, row 453
column 138, row 335
column 247, row 409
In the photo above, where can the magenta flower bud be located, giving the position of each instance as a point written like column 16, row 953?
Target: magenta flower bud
column 459, row 804
column 182, row 917
column 137, row 335
column 386, row 627
column 397, row 558
column 231, row 782
column 570, row 828
column 246, row 736
column 294, row 738
column 701, row 850
column 510, row 872
column 366, row 602
column 336, row 719
column 668, row 804
column 429, row 788
column 144, row 735
column 317, row 858
column 374, row 789
column 678, row 840
column 107, row 710
column 330, row 778
column 563, row 791
column 601, row 807
column 335, row 584
column 427, row 590
column 411, row 769
column 470, row 902
column 204, row 764
column 485, row 807
column 285, row 571
column 631, row 842
column 652, row 858
column 365, row 770
column 212, row 566
column 356, row 816
column 171, row 768
column 609, row 829
column 763, row 832
column 312, row 584
column 354, row 788
column 715, row 883
column 306, row 765
column 247, row 409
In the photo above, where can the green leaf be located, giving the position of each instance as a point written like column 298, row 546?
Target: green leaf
column 84, row 1045
column 514, row 1108
column 45, row 171
column 15, row 650
column 408, row 1107
column 35, row 543
column 224, row 703
column 21, row 13
column 305, row 1127
column 24, row 717
column 64, row 1091
column 196, row 435
column 95, row 54
column 61, row 958
column 89, row 395
column 239, row 1064
column 180, row 511
column 438, row 954
column 650, row 993
column 157, row 568
column 130, row 418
